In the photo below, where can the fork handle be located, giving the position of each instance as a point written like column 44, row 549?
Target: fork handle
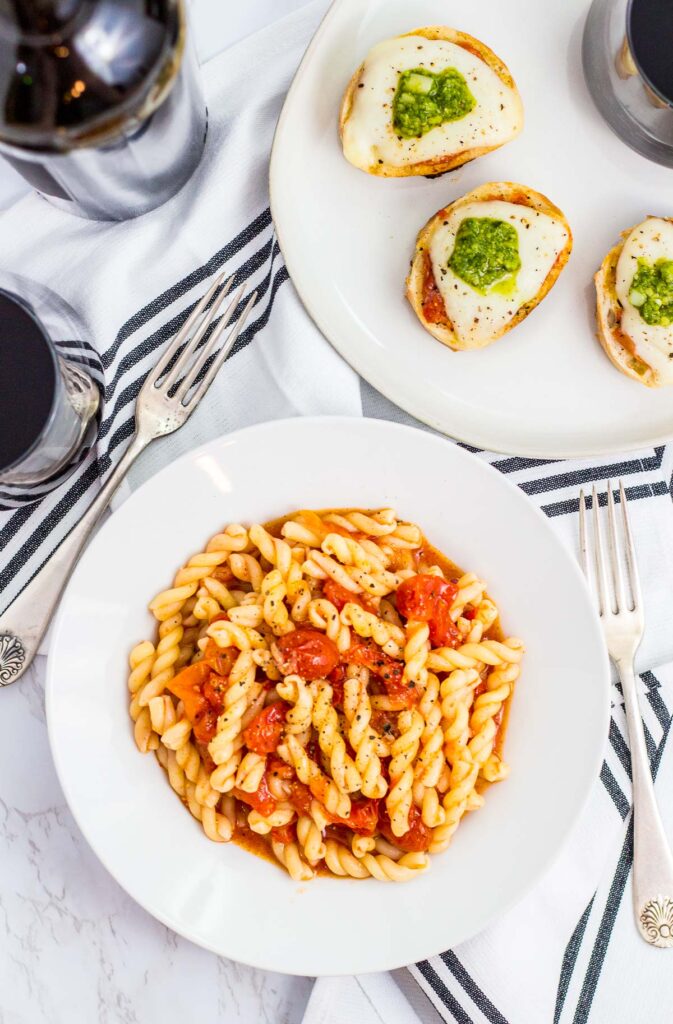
column 25, row 622
column 652, row 860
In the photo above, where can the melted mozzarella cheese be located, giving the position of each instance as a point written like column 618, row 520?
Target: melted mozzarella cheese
column 652, row 240
column 477, row 319
column 369, row 136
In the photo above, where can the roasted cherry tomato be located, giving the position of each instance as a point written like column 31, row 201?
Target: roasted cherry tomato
column 336, row 680
column 220, row 659
column 389, row 671
column 280, row 769
column 416, row 597
column 363, row 819
column 264, row 732
column 261, row 800
column 339, row 596
column 428, row 599
column 188, row 686
column 443, row 630
column 308, row 653
column 284, row 834
column 214, row 690
column 416, row 839
column 300, row 797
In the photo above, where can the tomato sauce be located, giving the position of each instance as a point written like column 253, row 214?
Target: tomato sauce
column 434, row 310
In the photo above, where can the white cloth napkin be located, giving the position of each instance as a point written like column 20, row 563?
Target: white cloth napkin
column 569, row 951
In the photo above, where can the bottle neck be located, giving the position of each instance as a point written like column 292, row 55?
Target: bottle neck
column 36, row 19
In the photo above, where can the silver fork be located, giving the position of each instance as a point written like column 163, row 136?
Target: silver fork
column 158, row 412
column 621, row 616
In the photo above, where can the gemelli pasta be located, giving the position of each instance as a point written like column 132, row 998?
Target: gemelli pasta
column 327, row 690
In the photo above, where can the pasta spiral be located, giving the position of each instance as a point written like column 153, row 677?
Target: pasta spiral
column 341, row 861
column 360, row 734
column 404, row 750
column 326, row 721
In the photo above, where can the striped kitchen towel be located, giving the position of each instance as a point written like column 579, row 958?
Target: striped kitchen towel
column 562, row 954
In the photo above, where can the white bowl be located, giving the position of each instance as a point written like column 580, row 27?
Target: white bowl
column 226, row 899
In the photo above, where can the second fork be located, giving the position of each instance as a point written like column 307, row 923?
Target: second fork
column 620, row 607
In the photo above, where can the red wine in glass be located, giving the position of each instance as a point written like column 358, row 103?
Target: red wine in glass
column 649, row 29
column 46, row 401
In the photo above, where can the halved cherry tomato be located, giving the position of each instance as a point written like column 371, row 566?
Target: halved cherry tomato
column 300, row 797
column 416, row 597
column 220, row 659
column 416, row 839
column 214, row 690
column 339, row 596
column 428, row 599
column 363, row 819
column 280, row 769
column 284, row 834
column 188, row 686
column 261, row 800
column 336, row 679
column 264, row 732
column 443, row 630
column 308, row 652
column 390, row 671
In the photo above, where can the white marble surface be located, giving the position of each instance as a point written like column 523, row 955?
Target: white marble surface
column 74, row 948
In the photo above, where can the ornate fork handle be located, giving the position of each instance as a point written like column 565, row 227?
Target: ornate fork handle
column 25, row 622
column 652, row 860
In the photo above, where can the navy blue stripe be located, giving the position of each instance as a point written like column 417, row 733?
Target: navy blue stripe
column 650, row 680
column 518, row 464
column 570, row 959
column 591, row 474
column 619, row 746
column 570, row 505
column 478, row 997
column 438, row 986
column 659, row 707
column 615, row 791
column 649, row 742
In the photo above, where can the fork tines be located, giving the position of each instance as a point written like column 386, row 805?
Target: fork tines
column 612, row 594
column 187, row 360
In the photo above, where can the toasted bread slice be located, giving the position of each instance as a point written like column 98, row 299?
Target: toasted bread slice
column 619, row 347
column 437, row 164
column 421, row 264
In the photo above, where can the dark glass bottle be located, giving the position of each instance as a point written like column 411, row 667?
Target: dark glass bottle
column 101, row 106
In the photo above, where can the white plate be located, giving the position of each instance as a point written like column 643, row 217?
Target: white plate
column 546, row 389
column 225, row 898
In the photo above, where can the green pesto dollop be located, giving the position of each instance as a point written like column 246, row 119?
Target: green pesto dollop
column 486, row 254
column 425, row 99
column 651, row 292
